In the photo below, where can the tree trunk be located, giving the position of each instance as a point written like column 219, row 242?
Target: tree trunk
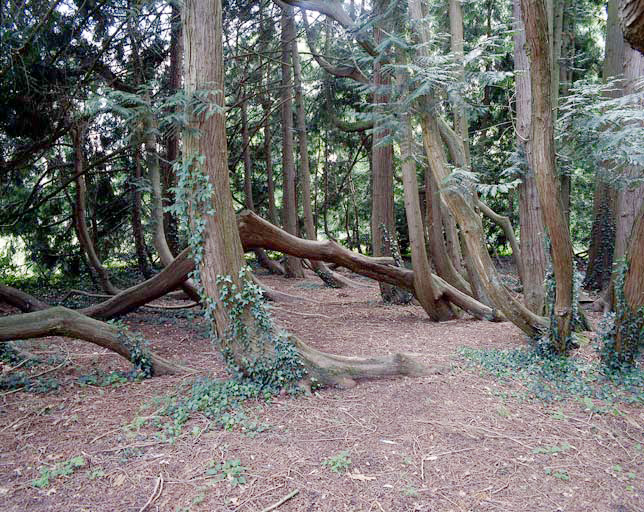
column 84, row 237
column 426, row 294
column 60, row 321
column 460, row 203
column 137, row 228
column 530, row 216
column 256, row 232
column 382, row 174
column 293, row 266
column 602, row 236
column 543, row 163
column 629, row 329
column 242, row 336
column 434, row 218
column 456, row 46
column 171, row 138
column 631, row 15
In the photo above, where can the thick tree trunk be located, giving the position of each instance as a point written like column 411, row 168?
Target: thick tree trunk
column 631, row 15
column 293, row 266
column 630, row 196
column 543, row 163
column 222, row 250
column 84, row 237
column 59, row 321
column 530, row 216
column 629, row 332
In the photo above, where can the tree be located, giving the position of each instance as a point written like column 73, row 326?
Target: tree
column 248, row 338
column 543, row 163
column 531, row 220
column 631, row 15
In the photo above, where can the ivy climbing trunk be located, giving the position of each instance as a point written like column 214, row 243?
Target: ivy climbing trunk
column 246, row 334
column 543, row 163
column 629, row 329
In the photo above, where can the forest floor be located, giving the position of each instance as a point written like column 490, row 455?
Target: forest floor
column 462, row 440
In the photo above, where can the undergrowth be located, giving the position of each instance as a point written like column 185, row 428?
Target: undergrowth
column 549, row 377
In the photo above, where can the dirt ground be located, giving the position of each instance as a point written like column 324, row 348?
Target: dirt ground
column 457, row 441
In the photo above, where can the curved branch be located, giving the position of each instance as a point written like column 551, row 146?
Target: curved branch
column 60, row 321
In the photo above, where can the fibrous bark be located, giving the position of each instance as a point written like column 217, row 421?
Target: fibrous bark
column 530, row 216
column 543, row 163
column 222, row 249
column 293, row 266
column 631, row 15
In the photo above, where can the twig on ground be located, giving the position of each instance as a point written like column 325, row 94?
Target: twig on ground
column 156, row 493
column 280, row 502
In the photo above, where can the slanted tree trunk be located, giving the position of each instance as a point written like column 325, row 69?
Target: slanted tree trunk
column 460, row 201
column 530, row 216
column 84, row 238
column 257, row 232
column 60, row 321
column 543, row 163
column 293, row 266
column 425, row 291
column 222, row 250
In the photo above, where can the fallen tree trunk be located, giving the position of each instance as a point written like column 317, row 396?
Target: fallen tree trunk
column 60, row 321
column 257, row 232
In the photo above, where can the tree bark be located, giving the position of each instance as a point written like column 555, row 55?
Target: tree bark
column 222, row 250
column 631, row 15
column 382, row 173
column 543, row 163
column 629, row 328
column 293, row 266
column 602, row 235
column 530, row 215
column 257, row 232
column 330, row 278
column 60, row 321
column 425, row 292
column 137, row 228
